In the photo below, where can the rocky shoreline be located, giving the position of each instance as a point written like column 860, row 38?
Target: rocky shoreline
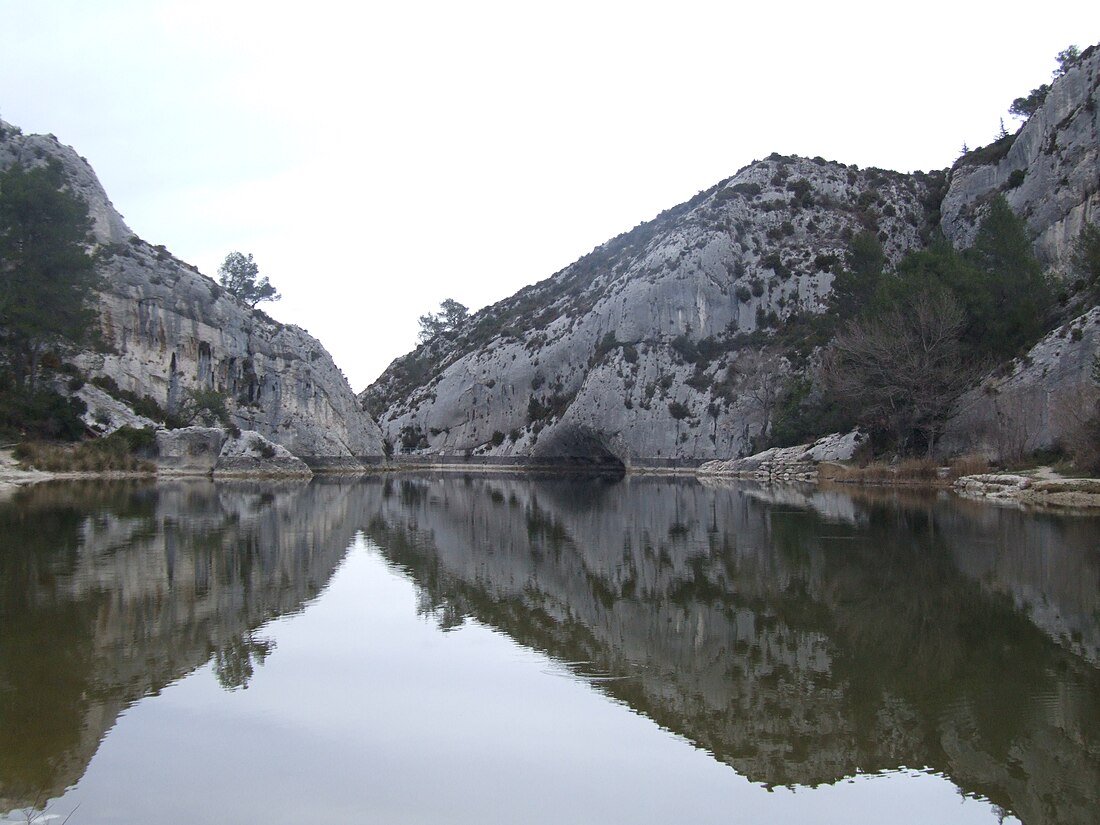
column 1042, row 491
column 211, row 452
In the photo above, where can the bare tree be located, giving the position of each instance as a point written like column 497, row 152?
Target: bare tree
column 760, row 376
column 903, row 369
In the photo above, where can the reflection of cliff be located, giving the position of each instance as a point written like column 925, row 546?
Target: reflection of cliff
column 800, row 640
column 131, row 587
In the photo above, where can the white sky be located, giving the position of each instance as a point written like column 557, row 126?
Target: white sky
column 377, row 158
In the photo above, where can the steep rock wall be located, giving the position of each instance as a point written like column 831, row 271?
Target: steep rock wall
column 1038, row 402
column 672, row 341
column 167, row 329
column 1050, row 173
column 654, row 346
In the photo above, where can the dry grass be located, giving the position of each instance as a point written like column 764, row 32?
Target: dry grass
column 907, row 471
column 102, row 456
column 968, row 465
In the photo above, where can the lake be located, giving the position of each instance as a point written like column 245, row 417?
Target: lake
column 475, row 649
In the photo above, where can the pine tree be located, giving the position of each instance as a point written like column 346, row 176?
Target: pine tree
column 47, row 278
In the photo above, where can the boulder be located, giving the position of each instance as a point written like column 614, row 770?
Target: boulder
column 797, row 463
column 250, row 454
column 190, row 450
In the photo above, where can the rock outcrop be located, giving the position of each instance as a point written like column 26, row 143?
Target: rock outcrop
column 788, row 463
column 168, row 329
column 1069, row 493
column 1047, row 171
column 216, row 452
column 656, row 345
column 673, row 341
column 1037, row 402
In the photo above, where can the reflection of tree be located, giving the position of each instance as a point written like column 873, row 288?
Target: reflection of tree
column 128, row 587
column 233, row 662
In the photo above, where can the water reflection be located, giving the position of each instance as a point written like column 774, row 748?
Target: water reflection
column 109, row 592
column 799, row 635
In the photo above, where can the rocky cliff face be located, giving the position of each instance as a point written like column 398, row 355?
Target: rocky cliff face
column 167, row 329
column 1049, row 172
column 1037, row 402
column 671, row 341
column 653, row 345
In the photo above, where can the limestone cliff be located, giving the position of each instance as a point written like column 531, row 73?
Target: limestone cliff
column 650, row 347
column 670, row 341
column 167, row 328
column 1048, row 171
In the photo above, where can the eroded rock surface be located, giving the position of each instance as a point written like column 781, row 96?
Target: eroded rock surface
column 672, row 341
column 658, row 344
column 167, row 329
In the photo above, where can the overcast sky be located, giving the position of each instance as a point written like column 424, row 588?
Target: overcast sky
column 377, row 158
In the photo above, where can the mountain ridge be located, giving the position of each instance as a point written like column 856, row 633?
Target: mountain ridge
column 661, row 343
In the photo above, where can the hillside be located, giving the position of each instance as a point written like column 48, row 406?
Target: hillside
column 166, row 329
column 675, row 341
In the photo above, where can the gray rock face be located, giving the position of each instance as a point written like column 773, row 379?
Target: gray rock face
column 36, row 150
column 250, row 454
column 665, row 343
column 169, row 329
column 213, row 451
column 654, row 346
column 799, row 462
column 1039, row 402
column 1054, row 159
column 190, row 450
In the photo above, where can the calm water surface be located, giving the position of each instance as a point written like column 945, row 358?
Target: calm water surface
column 476, row 650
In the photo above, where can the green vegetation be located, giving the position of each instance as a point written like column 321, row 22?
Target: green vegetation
column 1083, row 440
column 1007, row 304
column 678, row 411
column 1085, row 263
column 143, row 405
column 450, row 317
column 47, row 285
column 1024, row 107
column 202, row 406
column 856, row 284
column 413, row 438
column 47, row 280
column 39, row 414
column 905, row 344
column 239, row 274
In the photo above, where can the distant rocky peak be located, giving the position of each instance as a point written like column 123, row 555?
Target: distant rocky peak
column 37, row 150
column 1047, row 170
